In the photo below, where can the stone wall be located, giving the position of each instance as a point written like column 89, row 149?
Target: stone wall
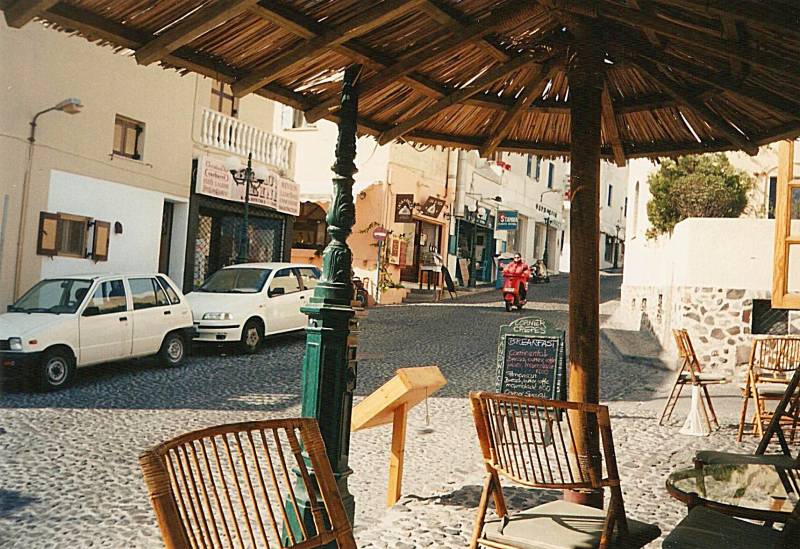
column 719, row 320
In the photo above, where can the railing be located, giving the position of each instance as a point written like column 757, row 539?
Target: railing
column 232, row 135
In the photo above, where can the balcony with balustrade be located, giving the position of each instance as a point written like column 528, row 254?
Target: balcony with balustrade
column 234, row 136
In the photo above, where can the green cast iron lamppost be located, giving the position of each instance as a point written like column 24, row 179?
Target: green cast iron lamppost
column 329, row 367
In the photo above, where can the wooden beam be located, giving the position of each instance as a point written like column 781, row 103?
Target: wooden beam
column 753, row 92
column 630, row 48
column 475, row 87
column 730, row 32
column 715, row 46
column 192, row 26
column 533, row 90
column 612, row 131
column 362, row 23
column 762, row 14
column 649, row 33
column 709, row 116
column 410, row 61
column 447, row 16
column 19, row 13
column 305, row 27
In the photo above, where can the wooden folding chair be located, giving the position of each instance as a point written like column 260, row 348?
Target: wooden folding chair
column 233, row 486
column 773, row 361
column 786, row 417
column 532, row 442
column 690, row 373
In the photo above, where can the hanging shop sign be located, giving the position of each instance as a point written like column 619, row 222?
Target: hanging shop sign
column 276, row 192
column 433, row 206
column 404, row 208
column 507, row 220
column 480, row 217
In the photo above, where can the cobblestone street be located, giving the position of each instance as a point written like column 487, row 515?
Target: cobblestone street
column 70, row 475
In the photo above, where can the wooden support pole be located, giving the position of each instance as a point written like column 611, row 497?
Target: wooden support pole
column 586, row 80
column 396, row 457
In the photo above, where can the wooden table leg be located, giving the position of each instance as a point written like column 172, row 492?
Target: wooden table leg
column 396, row 458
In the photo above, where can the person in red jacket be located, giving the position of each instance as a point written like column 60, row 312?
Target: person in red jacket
column 519, row 268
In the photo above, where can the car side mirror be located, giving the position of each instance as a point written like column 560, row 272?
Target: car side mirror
column 276, row 291
column 91, row 310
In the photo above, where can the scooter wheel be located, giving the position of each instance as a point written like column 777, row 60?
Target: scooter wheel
column 508, row 306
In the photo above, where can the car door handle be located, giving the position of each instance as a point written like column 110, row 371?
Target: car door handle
column 167, row 312
column 123, row 318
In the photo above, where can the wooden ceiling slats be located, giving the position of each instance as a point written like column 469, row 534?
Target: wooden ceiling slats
column 715, row 70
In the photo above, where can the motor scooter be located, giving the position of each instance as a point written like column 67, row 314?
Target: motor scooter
column 360, row 292
column 539, row 272
column 512, row 295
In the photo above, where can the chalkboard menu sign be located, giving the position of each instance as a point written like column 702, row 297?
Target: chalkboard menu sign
column 531, row 360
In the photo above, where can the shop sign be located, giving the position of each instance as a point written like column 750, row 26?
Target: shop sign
column 479, row 217
column 433, row 206
column 276, row 192
column 404, row 208
column 507, row 220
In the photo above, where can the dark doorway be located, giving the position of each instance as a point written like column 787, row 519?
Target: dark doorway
column 167, row 217
column 427, row 237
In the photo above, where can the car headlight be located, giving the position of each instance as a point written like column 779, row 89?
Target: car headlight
column 217, row 316
column 15, row 344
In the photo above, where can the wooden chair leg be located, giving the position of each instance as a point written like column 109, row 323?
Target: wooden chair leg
column 488, row 488
column 758, row 425
column 743, row 416
column 672, row 400
column 710, row 407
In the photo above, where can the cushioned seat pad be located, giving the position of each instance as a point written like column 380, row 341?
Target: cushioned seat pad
column 702, row 376
column 771, row 389
column 561, row 525
column 706, row 529
column 712, row 457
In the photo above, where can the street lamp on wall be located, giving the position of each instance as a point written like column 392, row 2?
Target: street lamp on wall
column 250, row 178
column 69, row 106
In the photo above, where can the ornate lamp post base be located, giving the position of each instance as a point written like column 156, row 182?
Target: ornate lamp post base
column 329, row 367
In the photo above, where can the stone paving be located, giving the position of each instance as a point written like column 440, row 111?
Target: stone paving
column 70, row 478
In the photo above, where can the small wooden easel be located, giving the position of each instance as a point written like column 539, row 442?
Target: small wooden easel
column 390, row 404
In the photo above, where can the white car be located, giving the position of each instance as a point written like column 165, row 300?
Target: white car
column 243, row 303
column 64, row 323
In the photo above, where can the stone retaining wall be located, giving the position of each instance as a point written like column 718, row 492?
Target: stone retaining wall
column 719, row 320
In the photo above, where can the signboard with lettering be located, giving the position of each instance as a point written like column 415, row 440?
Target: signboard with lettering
column 433, row 206
column 531, row 359
column 275, row 191
column 404, row 208
column 507, row 220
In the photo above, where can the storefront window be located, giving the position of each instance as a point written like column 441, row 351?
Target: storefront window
column 310, row 228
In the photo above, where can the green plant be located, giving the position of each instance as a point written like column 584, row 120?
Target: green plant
column 704, row 185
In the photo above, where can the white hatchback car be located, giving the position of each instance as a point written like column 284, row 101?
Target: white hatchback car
column 64, row 323
column 243, row 303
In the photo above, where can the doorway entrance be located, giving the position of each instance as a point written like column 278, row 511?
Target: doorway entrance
column 427, row 238
column 167, row 216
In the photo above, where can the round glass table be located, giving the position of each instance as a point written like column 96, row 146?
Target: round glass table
column 757, row 492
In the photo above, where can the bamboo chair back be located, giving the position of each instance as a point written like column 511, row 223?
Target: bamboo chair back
column 234, row 486
column 775, row 357
column 533, row 441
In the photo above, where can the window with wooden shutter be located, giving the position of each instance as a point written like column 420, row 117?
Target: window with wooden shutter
column 786, row 264
column 102, row 232
column 47, row 242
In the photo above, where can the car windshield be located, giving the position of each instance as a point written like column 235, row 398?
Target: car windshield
column 56, row 296
column 236, row 281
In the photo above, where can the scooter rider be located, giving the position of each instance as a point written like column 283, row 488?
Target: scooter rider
column 518, row 268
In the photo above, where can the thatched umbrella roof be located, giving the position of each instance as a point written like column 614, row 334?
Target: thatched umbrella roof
column 681, row 76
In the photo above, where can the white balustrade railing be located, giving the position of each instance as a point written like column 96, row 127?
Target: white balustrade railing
column 232, row 135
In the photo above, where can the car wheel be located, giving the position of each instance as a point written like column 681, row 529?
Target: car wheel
column 56, row 370
column 252, row 337
column 173, row 350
